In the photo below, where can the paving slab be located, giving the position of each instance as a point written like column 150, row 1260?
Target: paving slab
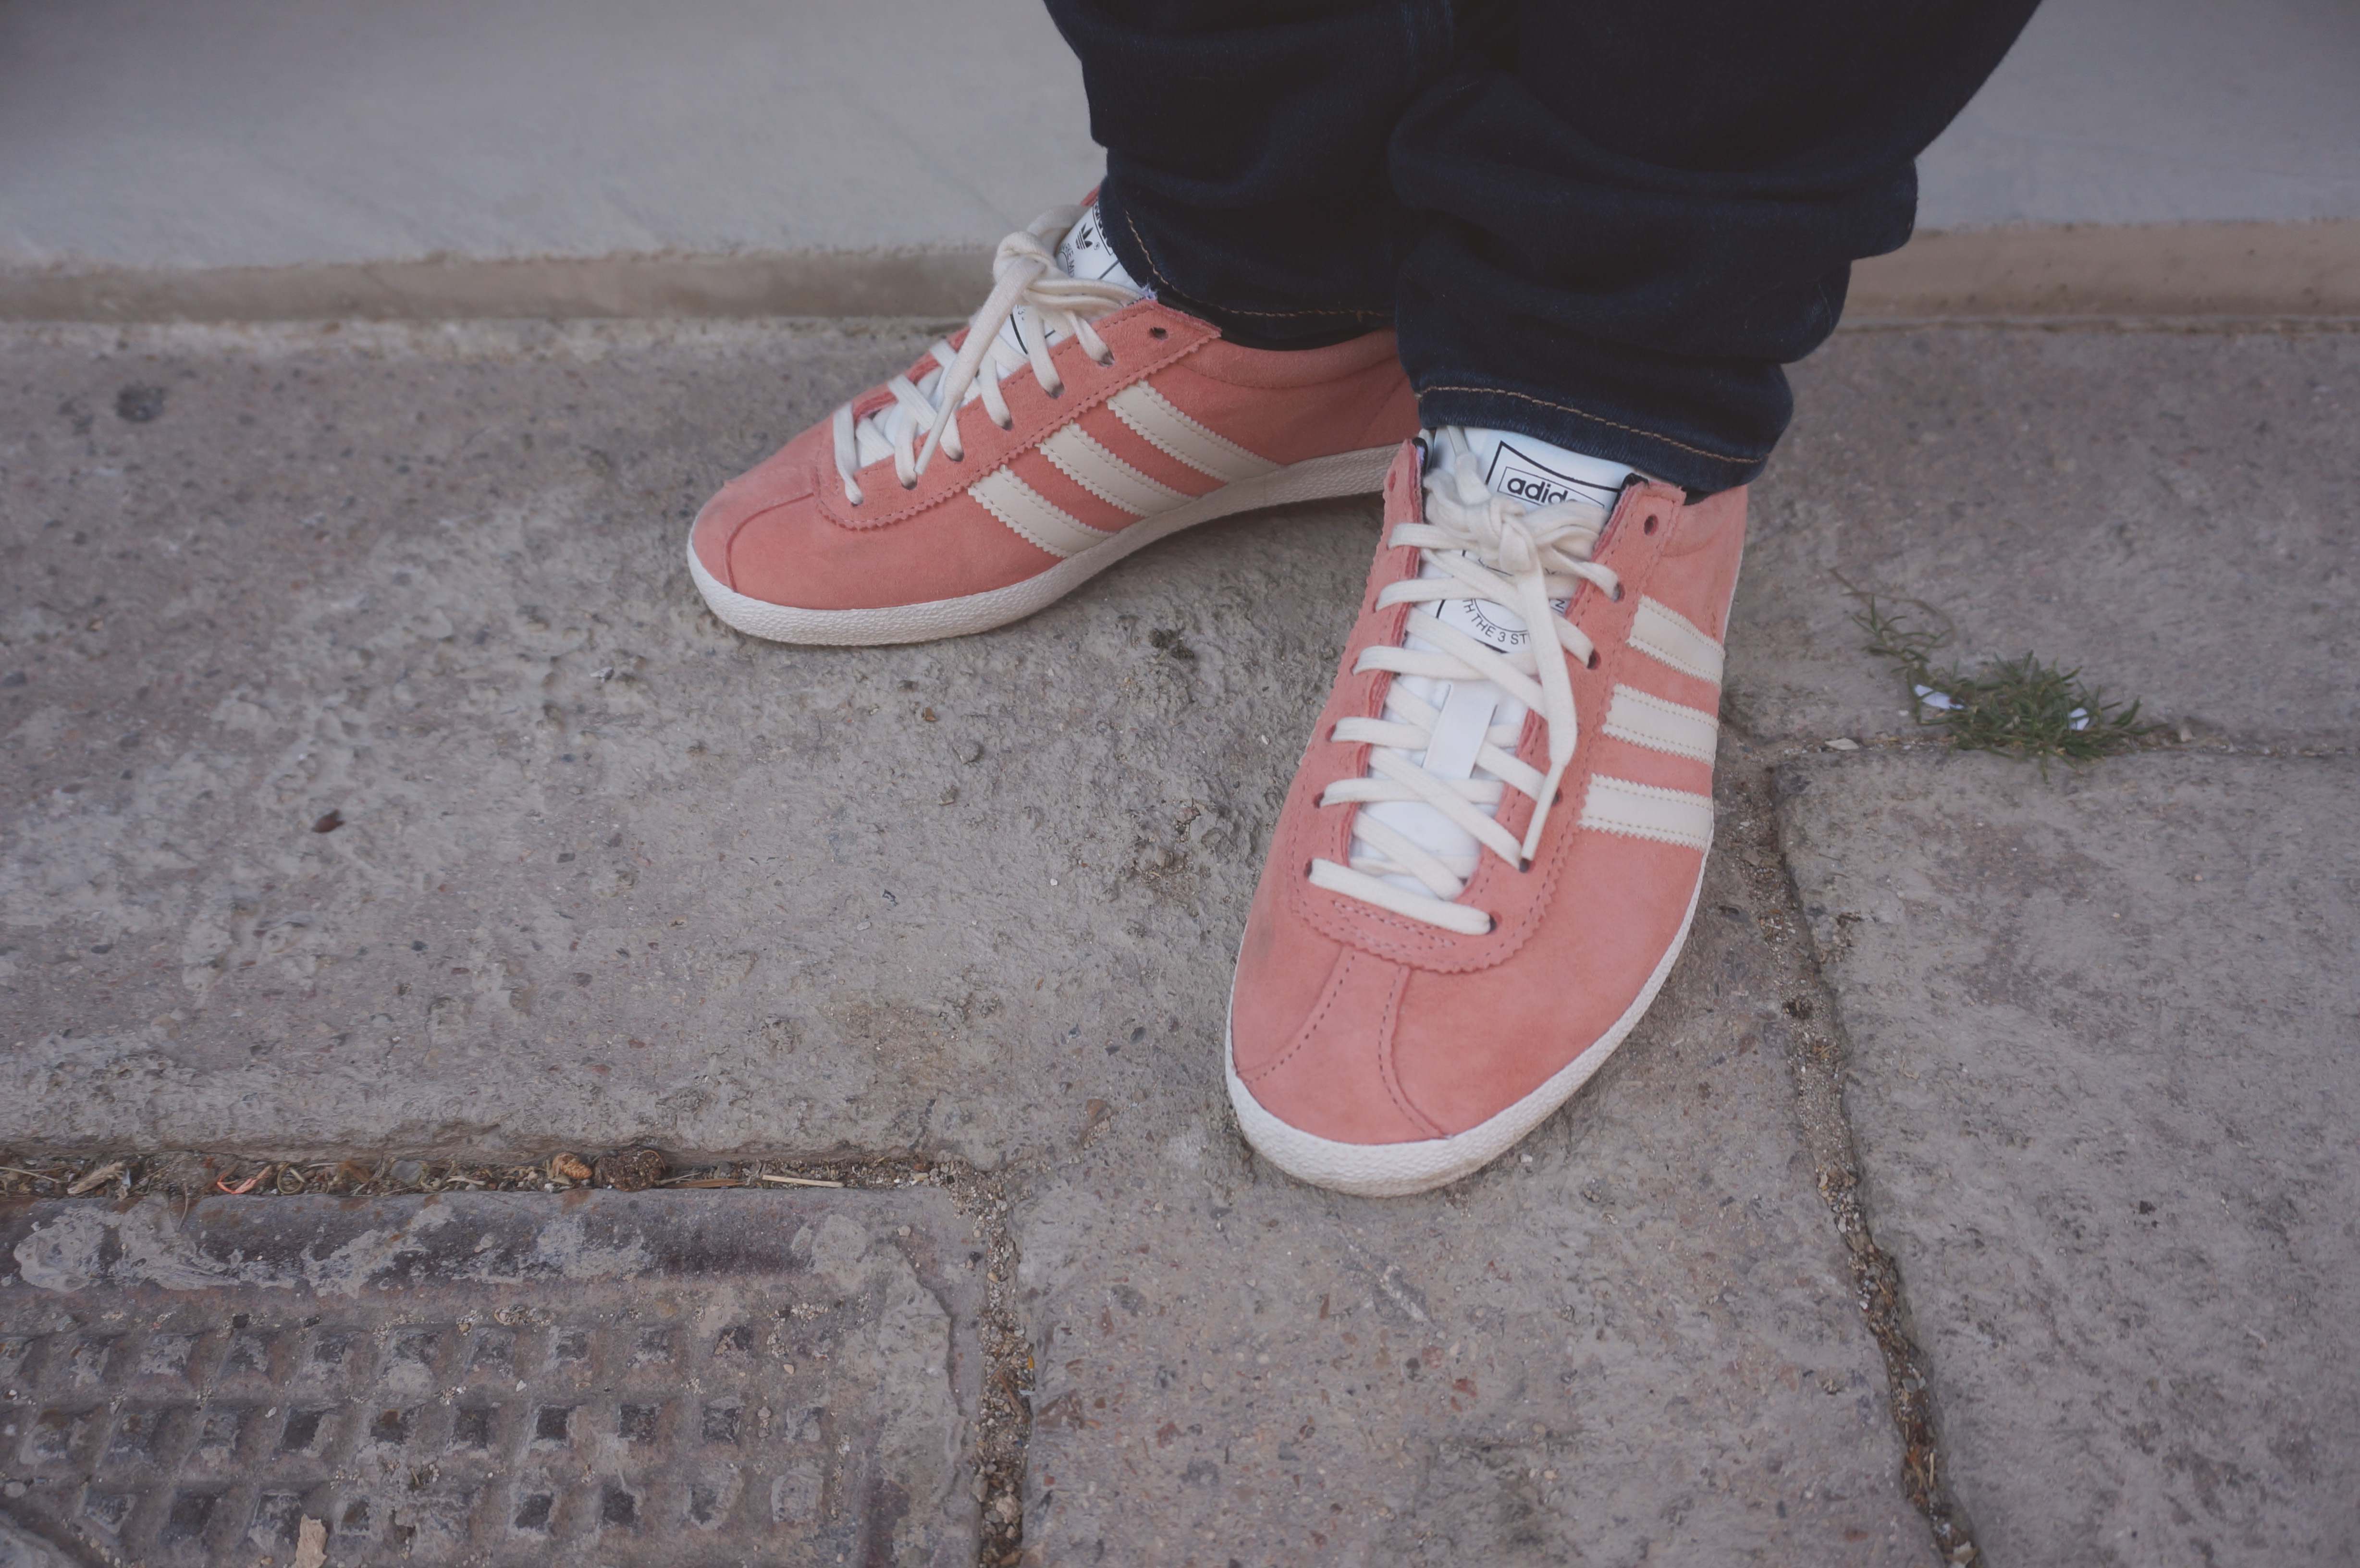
column 2176, row 513
column 2104, row 1087
column 608, row 1377
column 1632, row 1341
column 376, row 779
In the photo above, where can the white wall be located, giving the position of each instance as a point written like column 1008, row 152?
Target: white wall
column 181, row 134
column 2157, row 111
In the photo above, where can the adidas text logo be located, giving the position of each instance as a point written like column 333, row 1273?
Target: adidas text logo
column 1531, row 488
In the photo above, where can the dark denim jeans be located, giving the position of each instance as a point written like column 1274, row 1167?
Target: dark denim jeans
column 1606, row 224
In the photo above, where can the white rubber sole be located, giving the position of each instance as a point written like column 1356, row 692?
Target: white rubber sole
column 1322, row 478
column 1397, row 1170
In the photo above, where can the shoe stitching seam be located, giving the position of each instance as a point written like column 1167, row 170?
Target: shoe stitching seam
column 1387, row 1023
column 1665, row 748
column 1136, row 238
column 1311, row 1025
column 1595, row 420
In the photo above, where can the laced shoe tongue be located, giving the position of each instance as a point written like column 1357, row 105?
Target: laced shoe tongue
column 1083, row 253
column 1538, row 475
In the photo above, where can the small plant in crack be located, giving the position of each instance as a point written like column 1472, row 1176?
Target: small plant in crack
column 2024, row 707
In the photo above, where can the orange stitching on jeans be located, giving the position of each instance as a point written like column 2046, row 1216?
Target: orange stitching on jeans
column 1595, row 420
column 1131, row 224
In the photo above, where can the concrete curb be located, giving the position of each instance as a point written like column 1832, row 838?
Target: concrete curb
column 642, row 287
column 2203, row 270
column 2308, row 270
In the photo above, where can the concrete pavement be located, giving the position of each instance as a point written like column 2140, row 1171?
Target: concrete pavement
column 375, row 784
column 2104, row 1089
column 377, row 789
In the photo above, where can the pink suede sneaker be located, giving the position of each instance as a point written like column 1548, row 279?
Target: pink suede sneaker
column 1086, row 421
column 1488, row 861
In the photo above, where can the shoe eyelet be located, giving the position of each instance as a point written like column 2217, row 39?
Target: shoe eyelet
column 912, row 485
column 1618, row 594
column 1649, row 526
column 1008, row 424
column 1107, row 363
column 1593, row 661
column 1158, row 333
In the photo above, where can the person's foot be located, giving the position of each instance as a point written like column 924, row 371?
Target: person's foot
column 1088, row 420
column 1488, row 861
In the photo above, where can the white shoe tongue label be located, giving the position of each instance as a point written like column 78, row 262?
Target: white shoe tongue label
column 1519, row 473
column 1495, row 625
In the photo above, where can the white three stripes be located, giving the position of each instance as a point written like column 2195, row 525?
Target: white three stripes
column 1089, row 464
column 1032, row 514
column 1643, row 811
column 1662, row 633
column 1660, row 725
column 1152, row 416
column 1105, row 476
column 1646, row 810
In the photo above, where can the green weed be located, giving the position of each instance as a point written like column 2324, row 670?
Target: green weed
column 2021, row 707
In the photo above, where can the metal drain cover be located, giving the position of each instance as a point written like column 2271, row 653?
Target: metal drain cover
column 639, row 1379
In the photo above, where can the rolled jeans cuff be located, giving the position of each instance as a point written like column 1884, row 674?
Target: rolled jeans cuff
column 1598, row 427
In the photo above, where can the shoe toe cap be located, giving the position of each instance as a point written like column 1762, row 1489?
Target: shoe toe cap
column 709, row 538
column 1317, row 1057
column 750, row 523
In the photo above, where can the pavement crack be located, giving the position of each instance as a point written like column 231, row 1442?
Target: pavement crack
column 1817, row 1058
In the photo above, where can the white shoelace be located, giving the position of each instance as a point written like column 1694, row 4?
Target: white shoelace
column 1477, row 545
column 1032, row 295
